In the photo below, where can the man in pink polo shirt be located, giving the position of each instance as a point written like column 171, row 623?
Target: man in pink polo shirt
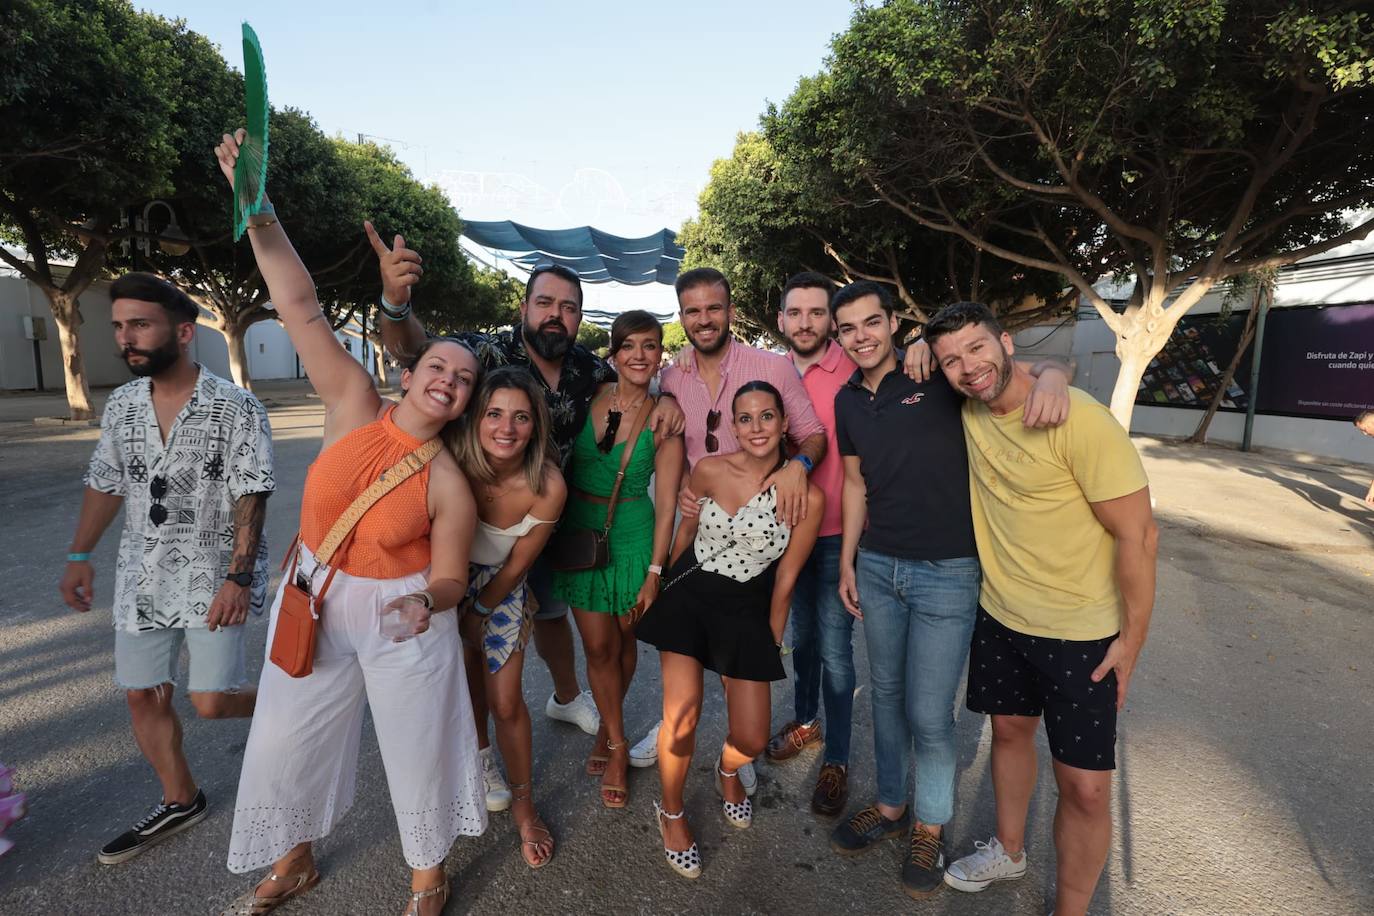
column 822, row 653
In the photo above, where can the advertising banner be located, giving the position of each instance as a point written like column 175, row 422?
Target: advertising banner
column 1318, row 362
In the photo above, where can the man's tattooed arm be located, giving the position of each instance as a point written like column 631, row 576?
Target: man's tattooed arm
column 250, row 510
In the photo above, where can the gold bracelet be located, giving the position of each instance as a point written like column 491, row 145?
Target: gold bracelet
column 262, row 225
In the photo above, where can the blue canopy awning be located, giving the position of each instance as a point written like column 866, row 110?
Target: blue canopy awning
column 597, row 256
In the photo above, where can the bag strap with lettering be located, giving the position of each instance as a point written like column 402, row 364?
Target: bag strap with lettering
column 640, row 419
column 390, row 479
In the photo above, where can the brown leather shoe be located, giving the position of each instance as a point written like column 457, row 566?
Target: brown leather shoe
column 832, row 790
column 789, row 742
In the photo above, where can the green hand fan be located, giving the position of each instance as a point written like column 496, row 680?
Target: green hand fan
column 250, row 172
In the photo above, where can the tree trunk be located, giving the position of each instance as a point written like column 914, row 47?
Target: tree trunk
column 378, row 366
column 66, row 312
column 234, row 334
column 1199, row 435
column 1143, row 332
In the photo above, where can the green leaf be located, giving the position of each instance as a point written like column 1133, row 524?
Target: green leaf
column 250, row 172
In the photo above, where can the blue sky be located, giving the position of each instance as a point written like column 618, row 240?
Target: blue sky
column 551, row 114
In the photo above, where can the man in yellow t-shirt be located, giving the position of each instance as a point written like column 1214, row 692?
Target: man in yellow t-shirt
column 1068, row 543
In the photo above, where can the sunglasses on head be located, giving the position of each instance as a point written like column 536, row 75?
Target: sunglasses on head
column 712, row 421
column 157, row 488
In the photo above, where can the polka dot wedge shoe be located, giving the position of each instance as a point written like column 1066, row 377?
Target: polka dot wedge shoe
column 686, row 862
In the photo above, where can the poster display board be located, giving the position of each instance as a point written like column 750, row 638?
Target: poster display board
column 1318, row 362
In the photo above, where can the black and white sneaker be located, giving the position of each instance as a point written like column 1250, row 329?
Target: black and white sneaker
column 157, row 825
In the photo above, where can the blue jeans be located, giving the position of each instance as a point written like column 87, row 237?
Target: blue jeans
column 822, row 651
column 918, row 620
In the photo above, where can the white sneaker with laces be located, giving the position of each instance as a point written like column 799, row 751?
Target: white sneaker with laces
column 579, row 711
column 498, row 793
column 988, row 862
column 645, row 751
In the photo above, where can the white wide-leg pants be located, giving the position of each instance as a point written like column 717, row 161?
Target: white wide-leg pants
column 300, row 766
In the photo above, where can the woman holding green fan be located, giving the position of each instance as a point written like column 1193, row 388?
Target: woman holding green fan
column 386, row 635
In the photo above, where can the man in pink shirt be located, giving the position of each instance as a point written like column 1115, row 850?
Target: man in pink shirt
column 822, row 653
column 705, row 379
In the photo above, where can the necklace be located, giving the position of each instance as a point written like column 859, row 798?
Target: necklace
column 491, row 492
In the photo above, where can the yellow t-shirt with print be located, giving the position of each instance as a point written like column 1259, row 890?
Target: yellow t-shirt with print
column 1048, row 564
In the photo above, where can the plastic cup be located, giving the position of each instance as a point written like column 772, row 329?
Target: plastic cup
column 401, row 618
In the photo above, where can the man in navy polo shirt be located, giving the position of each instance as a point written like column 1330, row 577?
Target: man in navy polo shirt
column 912, row 576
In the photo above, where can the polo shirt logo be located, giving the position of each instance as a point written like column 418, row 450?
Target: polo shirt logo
column 915, row 398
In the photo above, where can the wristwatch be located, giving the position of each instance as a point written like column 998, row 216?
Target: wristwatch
column 243, row 579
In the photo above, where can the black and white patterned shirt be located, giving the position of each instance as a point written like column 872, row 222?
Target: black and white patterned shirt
column 219, row 448
column 582, row 373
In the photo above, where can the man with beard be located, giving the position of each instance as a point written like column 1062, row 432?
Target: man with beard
column 822, row 650
column 1068, row 545
column 704, row 381
column 909, row 570
column 188, row 455
column 544, row 342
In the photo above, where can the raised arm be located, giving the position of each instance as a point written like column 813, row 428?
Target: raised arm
column 400, row 267
column 1132, row 523
column 338, row 378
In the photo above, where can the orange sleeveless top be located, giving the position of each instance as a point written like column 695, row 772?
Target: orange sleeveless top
column 392, row 539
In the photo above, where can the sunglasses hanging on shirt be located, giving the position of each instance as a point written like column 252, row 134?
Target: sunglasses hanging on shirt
column 712, row 421
column 157, row 489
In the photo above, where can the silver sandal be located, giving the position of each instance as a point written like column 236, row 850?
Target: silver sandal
column 686, row 862
column 250, row 904
column 413, row 907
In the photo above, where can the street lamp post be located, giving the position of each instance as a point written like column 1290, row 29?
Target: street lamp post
column 171, row 240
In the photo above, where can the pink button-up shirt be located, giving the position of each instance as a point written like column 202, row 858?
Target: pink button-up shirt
column 742, row 364
column 822, row 380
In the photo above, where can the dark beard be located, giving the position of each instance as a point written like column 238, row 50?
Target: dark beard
column 720, row 342
column 796, row 348
column 156, row 361
column 551, row 345
column 1003, row 378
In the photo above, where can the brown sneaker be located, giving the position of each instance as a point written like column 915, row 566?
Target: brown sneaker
column 832, row 790
column 789, row 742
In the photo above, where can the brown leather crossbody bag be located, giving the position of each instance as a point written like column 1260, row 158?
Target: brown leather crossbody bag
column 578, row 549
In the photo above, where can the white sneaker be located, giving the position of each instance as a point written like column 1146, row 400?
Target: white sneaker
column 749, row 779
column 498, row 793
column 580, row 711
column 989, row 862
column 645, row 751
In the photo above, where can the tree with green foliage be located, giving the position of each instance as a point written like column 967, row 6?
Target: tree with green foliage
column 764, row 216
column 1177, row 142
column 593, row 337
column 674, row 337
column 96, row 103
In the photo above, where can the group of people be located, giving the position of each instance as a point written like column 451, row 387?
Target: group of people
column 970, row 510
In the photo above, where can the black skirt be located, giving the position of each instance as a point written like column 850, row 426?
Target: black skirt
column 720, row 622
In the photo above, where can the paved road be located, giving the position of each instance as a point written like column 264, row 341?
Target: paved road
column 1245, row 752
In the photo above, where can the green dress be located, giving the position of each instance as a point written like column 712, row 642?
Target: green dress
column 613, row 588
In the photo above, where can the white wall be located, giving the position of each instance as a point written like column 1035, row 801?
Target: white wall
column 270, row 354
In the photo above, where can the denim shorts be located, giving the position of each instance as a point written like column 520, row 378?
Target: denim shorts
column 149, row 658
